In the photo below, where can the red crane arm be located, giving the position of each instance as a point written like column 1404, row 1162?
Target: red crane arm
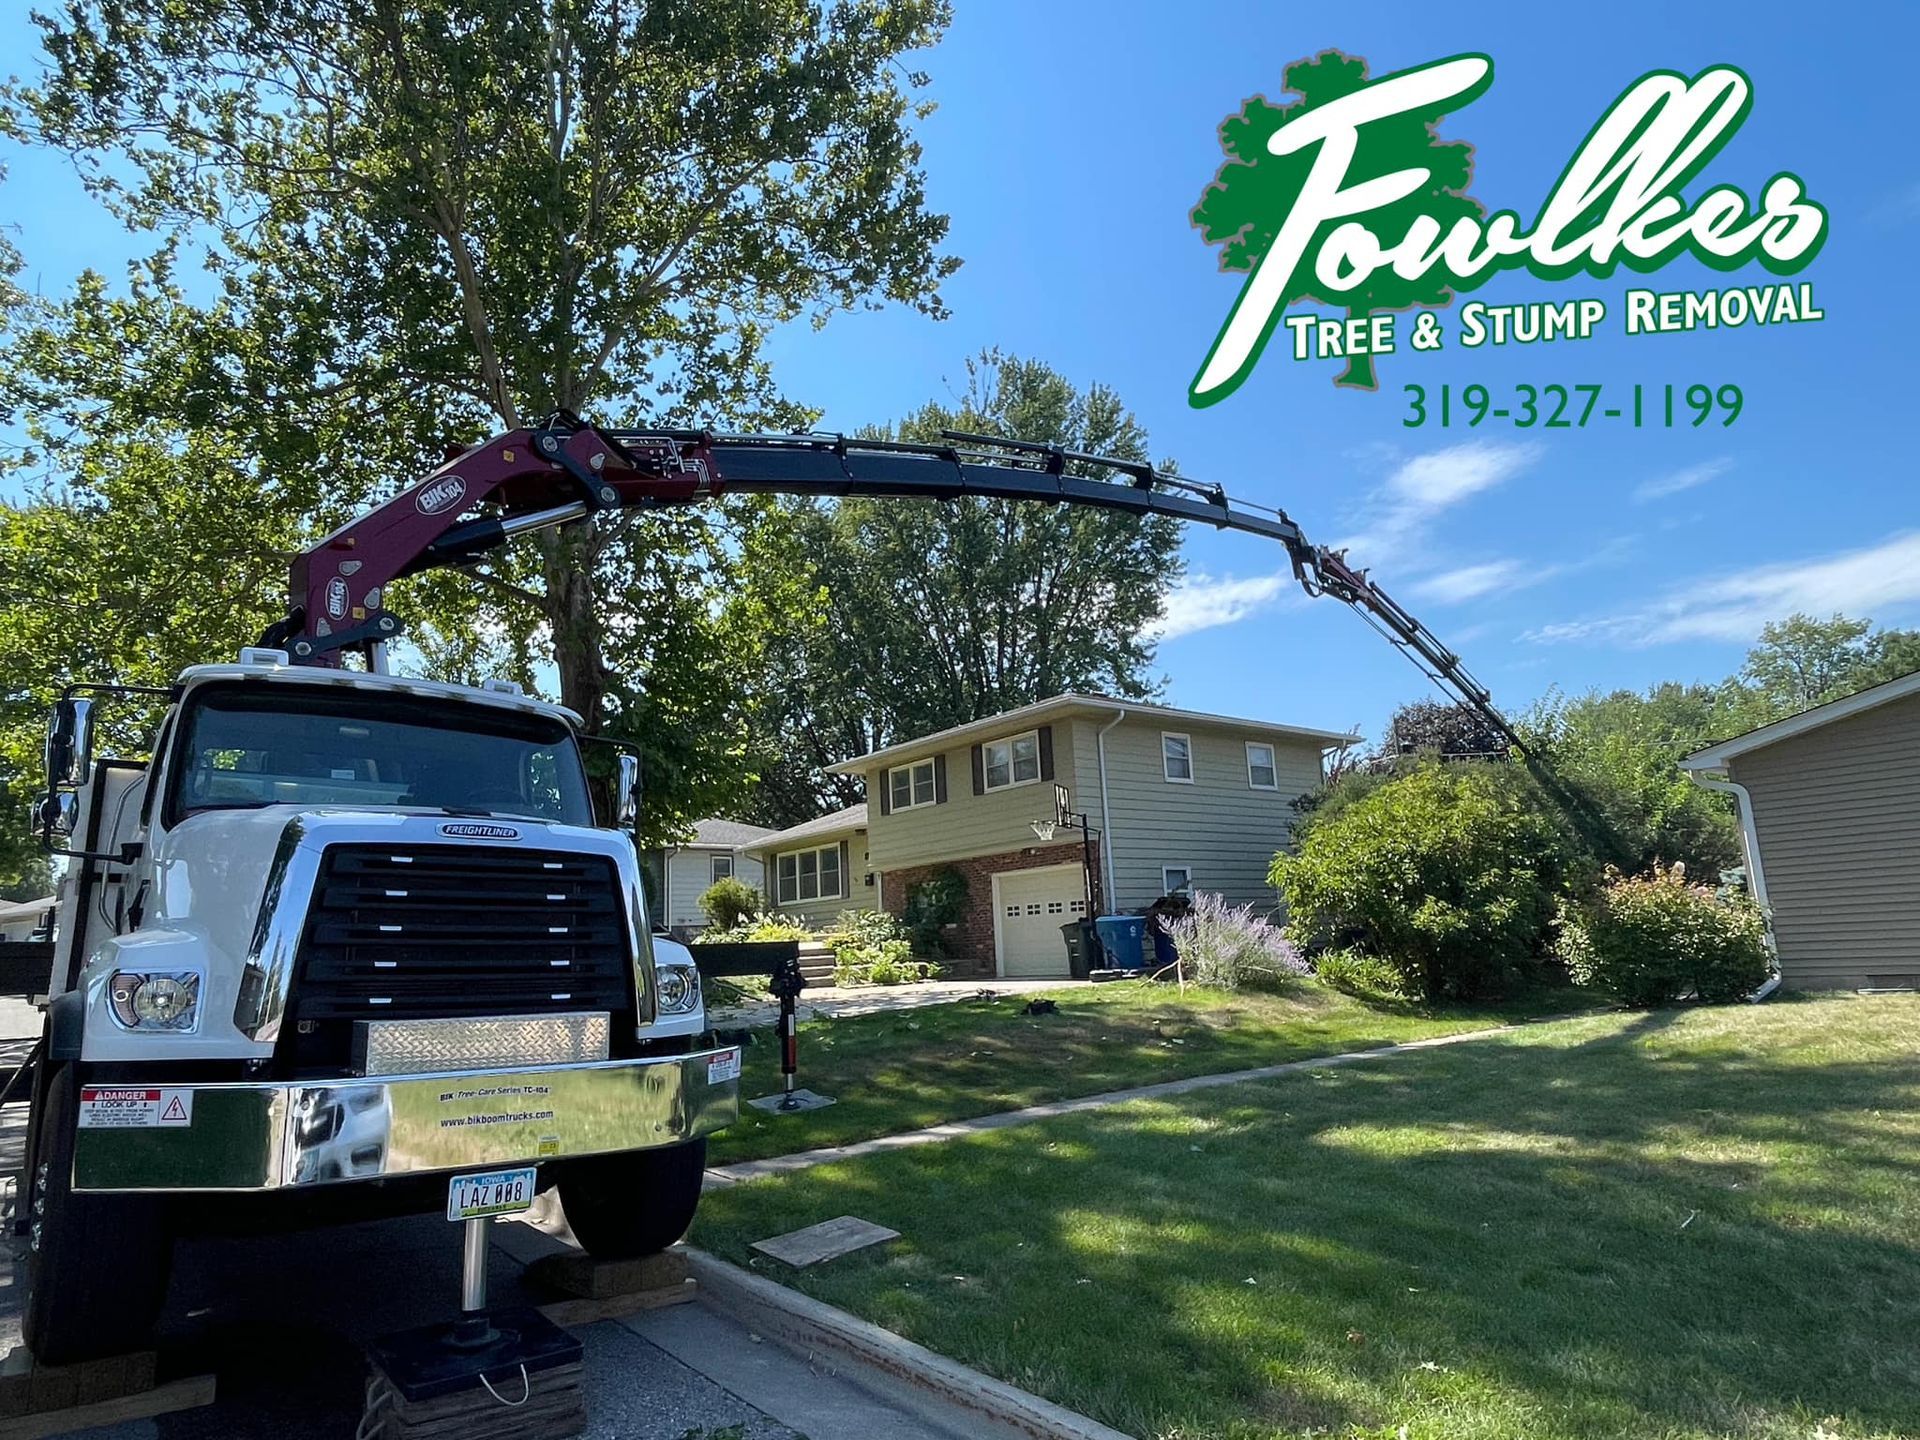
column 565, row 469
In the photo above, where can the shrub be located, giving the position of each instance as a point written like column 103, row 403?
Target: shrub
column 871, row 948
column 1448, row 872
column 1366, row 976
column 1228, row 948
column 728, row 902
column 932, row 905
column 1649, row 939
column 765, row 927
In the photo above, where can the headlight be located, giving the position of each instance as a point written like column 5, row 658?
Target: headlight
column 679, row 989
column 146, row 1000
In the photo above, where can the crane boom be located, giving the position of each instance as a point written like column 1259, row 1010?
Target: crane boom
column 565, row 469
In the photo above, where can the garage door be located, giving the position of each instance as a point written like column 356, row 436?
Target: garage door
column 1031, row 906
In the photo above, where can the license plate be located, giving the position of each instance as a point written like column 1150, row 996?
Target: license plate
column 498, row 1192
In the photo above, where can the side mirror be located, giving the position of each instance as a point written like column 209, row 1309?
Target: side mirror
column 626, row 798
column 56, row 813
column 70, row 744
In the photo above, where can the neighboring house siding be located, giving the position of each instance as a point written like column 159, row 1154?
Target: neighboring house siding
column 966, row 824
column 1222, row 828
column 1835, row 810
column 690, row 875
column 824, row 914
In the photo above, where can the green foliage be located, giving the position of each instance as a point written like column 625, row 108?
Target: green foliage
column 871, row 948
column 771, row 926
column 460, row 217
column 1649, row 939
column 729, row 903
column 1231, row 948
column 1449, row 873
column 936, row 613
column 1365, row 977
column 1623, row 751
column 1801, row 662
column 932, row 905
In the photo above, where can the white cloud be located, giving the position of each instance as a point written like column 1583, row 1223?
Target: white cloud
column 1734, row 606
column 1399, row 514
column 1451, row 587
column 1396, row 519
column 1201, row 602
column 1662, row 486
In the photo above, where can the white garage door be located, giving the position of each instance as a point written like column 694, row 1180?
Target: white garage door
column 1030, row 906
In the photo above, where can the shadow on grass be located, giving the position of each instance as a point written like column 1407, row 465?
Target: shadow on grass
column 1683, row 1223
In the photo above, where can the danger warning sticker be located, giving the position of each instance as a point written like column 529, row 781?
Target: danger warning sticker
column 723, row 1067
column 104, row 1107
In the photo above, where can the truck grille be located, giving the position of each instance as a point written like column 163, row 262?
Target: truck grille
column 445, row 931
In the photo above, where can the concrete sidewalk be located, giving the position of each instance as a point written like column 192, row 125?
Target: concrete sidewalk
column 723, row 1175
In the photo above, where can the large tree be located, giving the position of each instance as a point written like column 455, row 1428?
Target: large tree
column 1801, row 662
column 941, row 612
column 429, row 221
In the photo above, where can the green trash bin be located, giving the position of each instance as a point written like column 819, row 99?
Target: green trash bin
column 1082, row 946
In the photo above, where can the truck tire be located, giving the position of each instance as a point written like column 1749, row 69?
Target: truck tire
column 624, row 1206
column 97, row 1265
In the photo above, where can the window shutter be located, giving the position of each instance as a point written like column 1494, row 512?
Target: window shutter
column 979, row 771
column 846, row 885
column 940, row 779
column 886, row 792
column 1046, row 752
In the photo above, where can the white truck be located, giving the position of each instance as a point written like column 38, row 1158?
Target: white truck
column 346, row 934
column 340, row 936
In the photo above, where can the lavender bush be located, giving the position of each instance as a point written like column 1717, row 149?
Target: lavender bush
column 1228, row 947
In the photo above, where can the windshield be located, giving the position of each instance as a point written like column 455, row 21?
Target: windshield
column 245, row 746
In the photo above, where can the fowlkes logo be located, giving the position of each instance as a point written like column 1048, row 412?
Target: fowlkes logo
column 1346, row 197
column 442, row 495
column 475, row 830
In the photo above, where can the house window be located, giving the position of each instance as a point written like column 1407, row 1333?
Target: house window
column 809, row 875
column 1176, row 879
column 1015, row 761
column 1261, row 774
column 1176, row 757
column 722, row 868
column 911, row 785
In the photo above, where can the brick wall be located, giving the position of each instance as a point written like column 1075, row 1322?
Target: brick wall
column 972, row 942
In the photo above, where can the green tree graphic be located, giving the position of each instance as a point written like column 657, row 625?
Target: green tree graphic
column 1242, row 210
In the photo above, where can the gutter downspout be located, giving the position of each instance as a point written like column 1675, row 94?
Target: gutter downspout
column 1106, row 814
column 1756, row 876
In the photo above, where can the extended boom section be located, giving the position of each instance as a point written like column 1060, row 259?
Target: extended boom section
column 565, row 470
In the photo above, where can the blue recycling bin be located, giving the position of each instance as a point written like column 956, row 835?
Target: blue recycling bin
column 1123, row 937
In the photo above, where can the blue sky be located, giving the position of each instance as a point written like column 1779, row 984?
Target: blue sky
column 1071, row 141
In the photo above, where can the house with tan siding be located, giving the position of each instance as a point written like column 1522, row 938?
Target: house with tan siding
column 817, row 871
column 1829, row 804
column 1180, row 801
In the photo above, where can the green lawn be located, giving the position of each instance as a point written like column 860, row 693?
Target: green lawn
column 949, row 1062
column 1683, row 1224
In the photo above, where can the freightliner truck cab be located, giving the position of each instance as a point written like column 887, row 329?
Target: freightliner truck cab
column 342, row 936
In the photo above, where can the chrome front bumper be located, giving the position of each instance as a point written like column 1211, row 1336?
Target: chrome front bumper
column 247, row 1136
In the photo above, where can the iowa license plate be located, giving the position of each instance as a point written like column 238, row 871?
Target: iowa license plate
column 498, row 1192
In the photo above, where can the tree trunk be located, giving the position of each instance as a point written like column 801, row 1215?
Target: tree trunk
column 567, row 564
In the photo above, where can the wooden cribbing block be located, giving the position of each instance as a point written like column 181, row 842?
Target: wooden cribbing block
column 38, row 1400
column 586, row 1278
column 555, row 1405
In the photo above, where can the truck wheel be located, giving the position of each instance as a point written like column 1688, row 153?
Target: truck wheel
column 97, row 1265
column 623, row 1206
